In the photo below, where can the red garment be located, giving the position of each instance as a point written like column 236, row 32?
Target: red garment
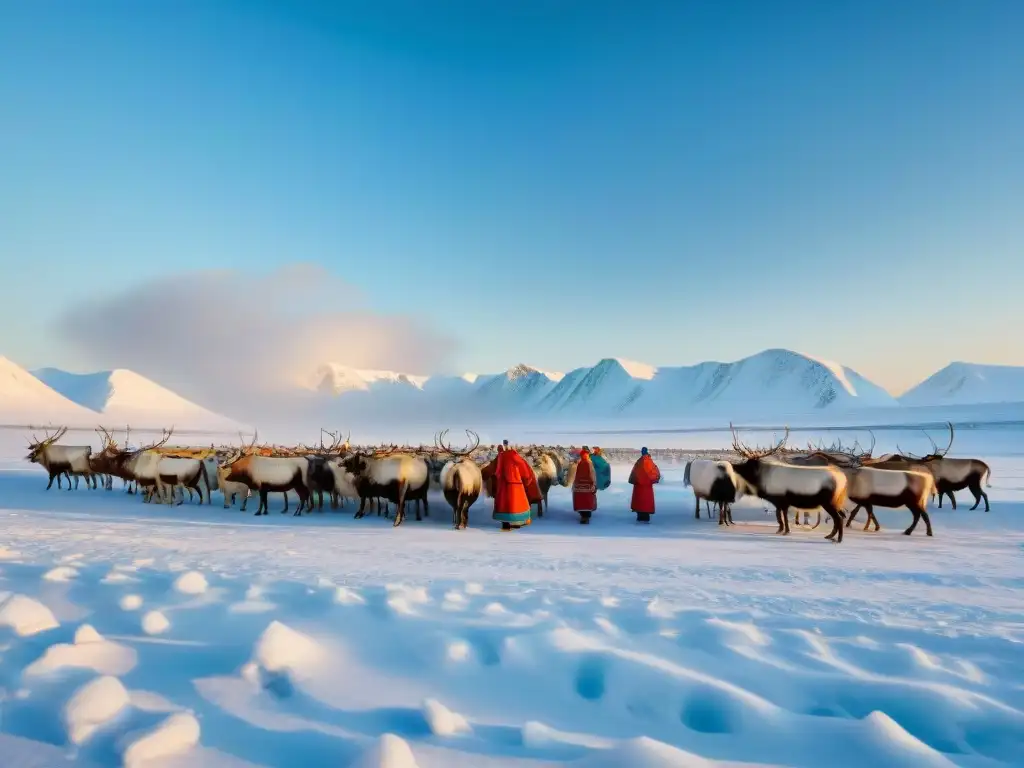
column 515, row 488
column 643, row 477
column 584, row 486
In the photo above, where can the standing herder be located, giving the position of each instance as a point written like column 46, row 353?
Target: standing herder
column 644, row 476
column 515, row 489
column 584, row 488
column 602, row 469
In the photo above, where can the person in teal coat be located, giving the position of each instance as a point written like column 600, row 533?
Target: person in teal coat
column 602, row 469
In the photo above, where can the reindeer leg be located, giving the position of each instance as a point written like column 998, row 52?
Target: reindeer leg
column 781, row 515
column 872, row 518
column 400, row 508
column 927, row 520
column 362, row 505
column 305, row 500
column 976, row 492
column 697, row 510
column 837, row 524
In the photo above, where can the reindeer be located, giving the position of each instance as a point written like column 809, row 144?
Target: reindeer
column 784, row 485
column 141, row 465
column 58, row 460
column 550, row 469
column 229, row 490
column 950, row 474
column 324, row 473
column 713, row 481
column 175, row 473
column 391, row 474
column 460, row 478
column 264, row 474
column 870, row 486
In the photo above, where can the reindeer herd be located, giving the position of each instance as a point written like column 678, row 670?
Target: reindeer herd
column 375, row 476
column 840, row 482
column 837, row 480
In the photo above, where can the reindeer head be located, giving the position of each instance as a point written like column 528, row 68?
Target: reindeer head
column 37, row 447
column 752, row 458
column 244, row 451
column 936, row 454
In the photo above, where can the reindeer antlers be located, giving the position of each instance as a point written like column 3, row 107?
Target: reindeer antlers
column 49, row 439
column 936, row 453
column 474, row 438
column 760, row 453
column 108, row 439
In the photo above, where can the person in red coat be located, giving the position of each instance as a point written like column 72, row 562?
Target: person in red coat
column 584, row 488
column 515, row 489
column 644, row 476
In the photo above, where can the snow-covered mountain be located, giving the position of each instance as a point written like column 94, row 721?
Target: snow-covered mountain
column 771, row 382
column 776, row 381
column 124, row 397
column 967, row 384
column 24, row 399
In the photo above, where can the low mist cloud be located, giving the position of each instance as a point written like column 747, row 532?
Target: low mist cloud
column 236, row 342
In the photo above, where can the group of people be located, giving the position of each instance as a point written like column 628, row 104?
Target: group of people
column 516, row 491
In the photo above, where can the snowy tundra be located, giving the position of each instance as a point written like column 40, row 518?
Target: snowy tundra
column 198, row 636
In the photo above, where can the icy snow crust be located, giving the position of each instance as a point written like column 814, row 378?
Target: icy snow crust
column 204, row 637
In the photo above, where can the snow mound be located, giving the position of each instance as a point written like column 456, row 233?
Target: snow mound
column 87, row 634
column 644, row 753
column 25, row 616
column 155, row 623
column 90, row 650
column 284, row 656
column 900, row 747
column 346, row 596
column 60, row 574
column 442, row 721
column 130, row 603
column 92, row 706
column 191, row 583
column 176, row 735
column 390, row 751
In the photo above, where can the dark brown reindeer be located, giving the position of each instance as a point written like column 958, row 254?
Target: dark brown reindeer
column 785, row 485
column 950, row 475
column 870, row 486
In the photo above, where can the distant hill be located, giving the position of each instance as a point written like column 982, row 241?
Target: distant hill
column 775, row 381
column 24, row 399
column 124, row 397
column 968, row 384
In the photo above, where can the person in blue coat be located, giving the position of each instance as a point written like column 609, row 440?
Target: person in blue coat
column 602, row 469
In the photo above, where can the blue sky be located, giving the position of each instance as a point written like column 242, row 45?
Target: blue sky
column 546, row 181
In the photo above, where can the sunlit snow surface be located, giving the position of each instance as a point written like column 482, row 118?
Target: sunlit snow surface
column 195, row 636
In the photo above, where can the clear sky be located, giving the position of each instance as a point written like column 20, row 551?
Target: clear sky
column 544, row 181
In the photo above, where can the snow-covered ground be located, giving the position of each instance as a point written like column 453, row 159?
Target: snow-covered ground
column 196, row 636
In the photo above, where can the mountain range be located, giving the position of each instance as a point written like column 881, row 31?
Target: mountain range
column 770, row 383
